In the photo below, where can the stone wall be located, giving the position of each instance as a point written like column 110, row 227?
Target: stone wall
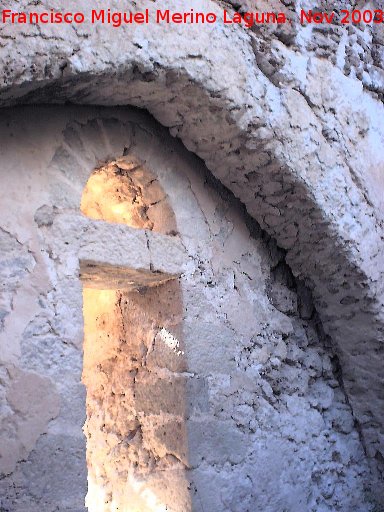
column 264, row 421
column 290, row 122
column 137, row 447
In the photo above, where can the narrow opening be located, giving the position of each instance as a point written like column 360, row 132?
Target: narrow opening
column 125, row 191
column 133, row 362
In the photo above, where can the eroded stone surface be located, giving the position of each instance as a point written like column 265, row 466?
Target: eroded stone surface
column 295, row 132
column 257, row 369
column 16, row 262
column 135, row 409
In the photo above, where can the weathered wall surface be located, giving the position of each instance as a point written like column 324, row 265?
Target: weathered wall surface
column 291, row 123
column 137, row 449
column 268, row 424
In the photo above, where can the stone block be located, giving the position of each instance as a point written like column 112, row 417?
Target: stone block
column 115, row 244
column 56, row 471
column 167, row 352
column 33, row 402
column 216, row 442
column 209, row 348
column 197, row 391
column 168, row 254
column 171, row 438
column 160, row 395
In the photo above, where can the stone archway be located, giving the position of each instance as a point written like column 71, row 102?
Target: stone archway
column 125, row 192
column 293, row 159
column 260, row 381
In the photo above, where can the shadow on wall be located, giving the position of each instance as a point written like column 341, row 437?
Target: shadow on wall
column 133, row 362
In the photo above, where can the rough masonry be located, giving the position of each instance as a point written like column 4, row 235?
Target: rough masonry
column 293, row 132
column 262, row 398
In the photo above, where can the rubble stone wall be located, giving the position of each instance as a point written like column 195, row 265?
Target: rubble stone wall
column 266, row 421
column 288, row 118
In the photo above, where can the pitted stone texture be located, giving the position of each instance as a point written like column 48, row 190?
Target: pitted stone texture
column 54, row 473
column 262, row 372
column 135, row 424
column 30, row 402
column 113, row 255
column 15, row 263
column 125, row 191
column 288, row 132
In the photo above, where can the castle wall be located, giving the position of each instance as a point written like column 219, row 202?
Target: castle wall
column 288, row 117
column 264, row 418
